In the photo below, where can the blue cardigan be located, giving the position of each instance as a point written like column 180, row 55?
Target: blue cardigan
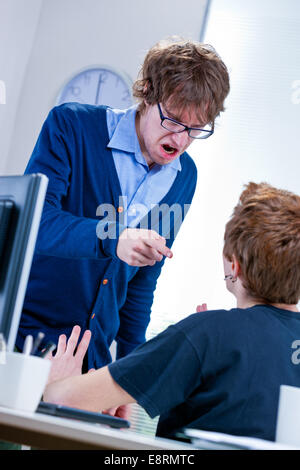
column 77, row 278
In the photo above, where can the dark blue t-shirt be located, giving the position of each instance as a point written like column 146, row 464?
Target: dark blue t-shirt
column 216, row 370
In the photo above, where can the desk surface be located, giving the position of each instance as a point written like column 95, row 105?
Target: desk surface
column 51, row 432
column 54, row 433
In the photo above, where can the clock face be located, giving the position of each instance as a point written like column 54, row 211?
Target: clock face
column 98, row 85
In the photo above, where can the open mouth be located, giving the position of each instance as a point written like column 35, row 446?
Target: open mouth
column 169, row 150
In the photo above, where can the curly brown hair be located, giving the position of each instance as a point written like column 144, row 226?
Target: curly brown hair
column 264, row 235
column 184, row 74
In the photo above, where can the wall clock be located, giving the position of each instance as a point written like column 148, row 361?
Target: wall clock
column 98, row 85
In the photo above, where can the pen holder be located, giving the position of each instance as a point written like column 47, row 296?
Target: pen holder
column 22, row 381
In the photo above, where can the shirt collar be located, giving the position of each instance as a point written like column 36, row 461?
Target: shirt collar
column 124, row 138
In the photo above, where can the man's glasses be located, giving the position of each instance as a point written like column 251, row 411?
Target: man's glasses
column 194, row 132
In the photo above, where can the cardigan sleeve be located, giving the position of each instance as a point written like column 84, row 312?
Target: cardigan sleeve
column 62, row 233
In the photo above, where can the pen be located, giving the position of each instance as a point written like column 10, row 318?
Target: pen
column 49, row 348
column 37, row 342
column 28, row 345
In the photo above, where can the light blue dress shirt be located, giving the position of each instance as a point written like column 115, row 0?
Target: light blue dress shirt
column 142, row 188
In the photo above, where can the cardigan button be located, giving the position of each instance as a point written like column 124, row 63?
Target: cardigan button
column 93, row 316
column 105, row 281
column 120, row 209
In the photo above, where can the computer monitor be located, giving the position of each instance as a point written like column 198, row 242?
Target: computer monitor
column 21, row 204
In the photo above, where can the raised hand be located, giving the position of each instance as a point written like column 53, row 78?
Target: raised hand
column 201, row 308
column 66, row 362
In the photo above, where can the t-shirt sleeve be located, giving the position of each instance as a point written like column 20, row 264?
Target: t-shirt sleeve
column 161, row 373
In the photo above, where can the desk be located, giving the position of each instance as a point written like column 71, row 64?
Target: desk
column 55, row 433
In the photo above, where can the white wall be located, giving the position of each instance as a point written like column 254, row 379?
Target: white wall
column 71, row 35
column 257, row 139
column 18, row 21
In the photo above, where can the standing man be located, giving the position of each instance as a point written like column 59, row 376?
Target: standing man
column 98, row 255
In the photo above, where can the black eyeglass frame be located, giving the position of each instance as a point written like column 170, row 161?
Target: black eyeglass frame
column 185, row 128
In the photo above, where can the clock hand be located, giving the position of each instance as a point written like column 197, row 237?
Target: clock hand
column 98, row 88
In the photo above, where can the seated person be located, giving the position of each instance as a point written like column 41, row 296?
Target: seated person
column 217, row 370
